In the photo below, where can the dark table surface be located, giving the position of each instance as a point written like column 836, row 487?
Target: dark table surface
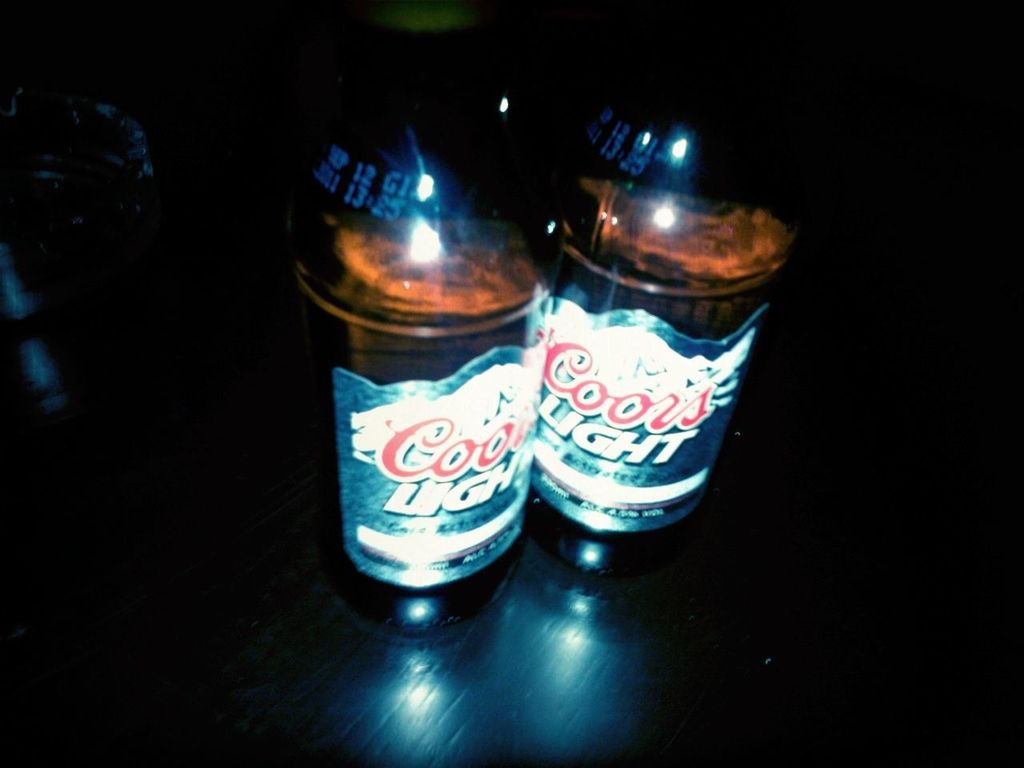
column 843, row 597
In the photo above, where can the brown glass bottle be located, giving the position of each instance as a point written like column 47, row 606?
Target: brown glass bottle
column 672, row 247
column 425, row 262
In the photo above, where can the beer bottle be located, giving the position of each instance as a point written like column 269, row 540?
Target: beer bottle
column 425, row 258
column 676, row 225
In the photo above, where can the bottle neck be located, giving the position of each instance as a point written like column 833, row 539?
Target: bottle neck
column 419, row 16
column 394, row 59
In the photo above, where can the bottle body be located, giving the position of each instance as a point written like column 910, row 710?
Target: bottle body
column 424, row 277
column 659, row 303
column 432, row 423
column 422, row 535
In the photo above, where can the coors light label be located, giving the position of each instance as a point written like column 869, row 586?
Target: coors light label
column 434, row 475
column 632, row 415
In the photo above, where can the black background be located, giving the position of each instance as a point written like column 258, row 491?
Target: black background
column 848, row 594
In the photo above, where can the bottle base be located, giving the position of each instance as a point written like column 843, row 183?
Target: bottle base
column 413, row 609
column 607, row 553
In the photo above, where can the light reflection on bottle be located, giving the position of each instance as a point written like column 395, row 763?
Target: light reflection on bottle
column 419, row 578
column 679, row 149
column 664, row 216
column 590, row 554
column 419, row 610
column 425, row 244
column 426, row 187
